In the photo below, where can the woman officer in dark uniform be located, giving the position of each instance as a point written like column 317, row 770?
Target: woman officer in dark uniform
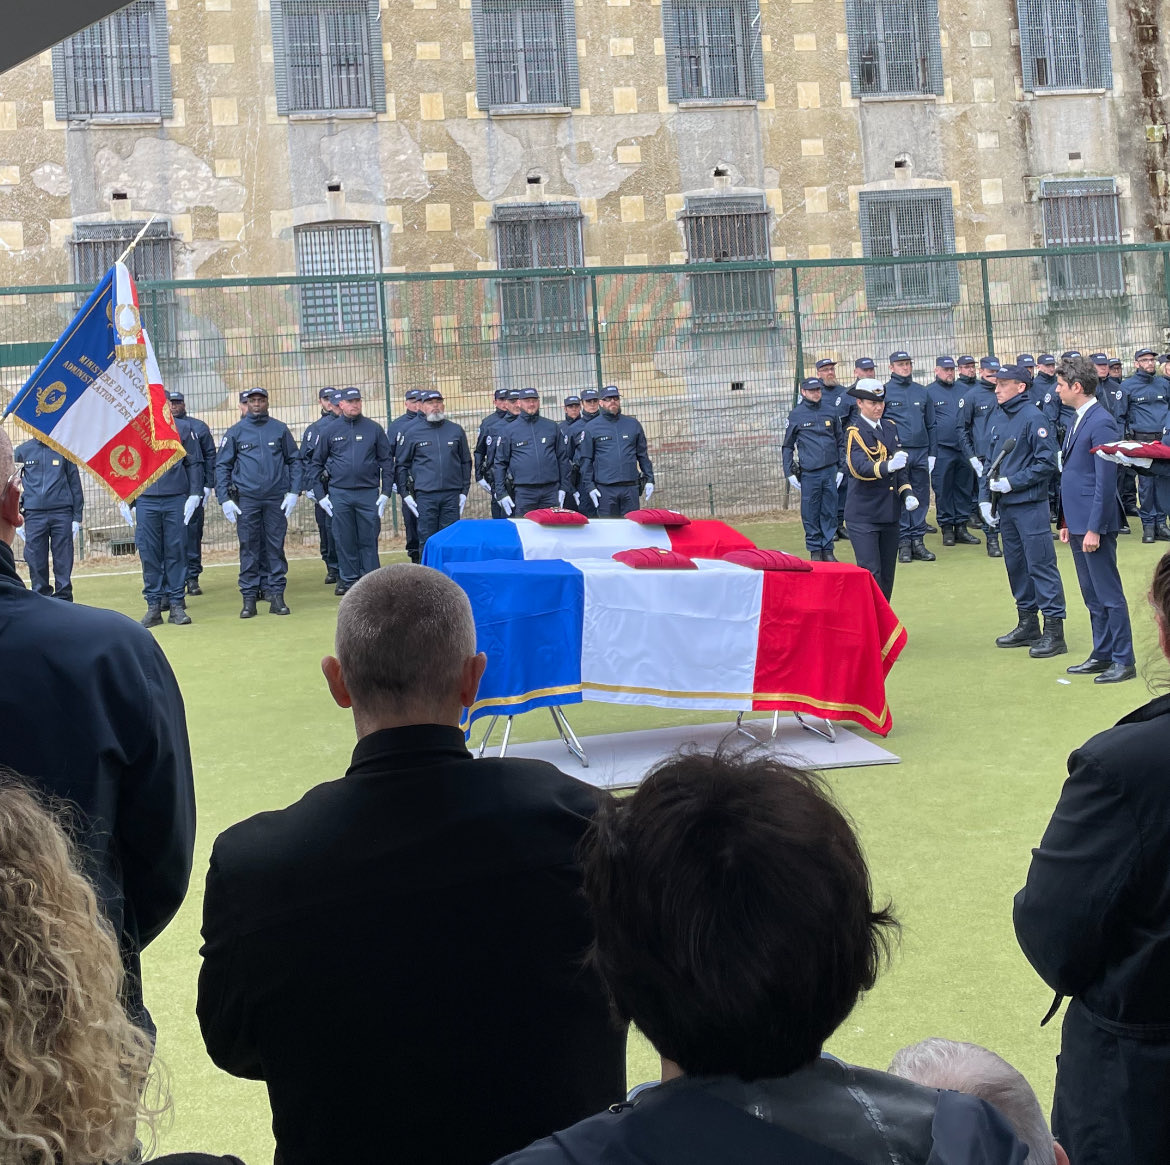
column 880, row 485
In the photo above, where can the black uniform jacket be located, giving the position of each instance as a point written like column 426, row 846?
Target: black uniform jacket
column 90, row 712
column 405, row 945
column 875, row 493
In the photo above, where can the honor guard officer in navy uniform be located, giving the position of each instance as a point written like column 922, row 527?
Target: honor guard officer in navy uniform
column 1013, row 494
column 613, row 456
column 815, row 436
column 532, row 452
column 880, row 486
column 258, row 477
column 159, row 517
column 202, row 434
column 952, row 477
column 402, row 424
column 433, row 466
column 590, row 412
column 976, row 408
column 355, row 454
column 567, row 427
column 485, row 446
column 309, row 439
column 52, row 504
column 1145, row 413
column 910, row 407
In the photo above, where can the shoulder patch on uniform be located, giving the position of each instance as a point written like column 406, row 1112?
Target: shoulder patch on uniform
column 1118, row 394
column 1042, row 431
column 960, row 402
column 489, row 440
column 1048, row 398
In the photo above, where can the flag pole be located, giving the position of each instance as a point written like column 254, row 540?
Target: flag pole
column 137, row 239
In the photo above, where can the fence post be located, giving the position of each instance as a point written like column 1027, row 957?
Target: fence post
column 597, row 369
column 988, row 323
column 385, row 351
column 798, row 332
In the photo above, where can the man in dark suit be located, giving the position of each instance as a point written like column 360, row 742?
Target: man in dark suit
column 92, row 715
column 399, row 955
column 1091, row 515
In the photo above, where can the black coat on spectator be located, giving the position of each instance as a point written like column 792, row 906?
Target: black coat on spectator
column 398, row 956
column 1094, row 920
column 90, row 713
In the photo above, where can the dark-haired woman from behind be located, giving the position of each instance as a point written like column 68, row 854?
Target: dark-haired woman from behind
column 76, row 1083
column 1094, row 921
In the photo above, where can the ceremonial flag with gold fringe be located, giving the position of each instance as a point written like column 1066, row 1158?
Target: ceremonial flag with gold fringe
column 98, row 397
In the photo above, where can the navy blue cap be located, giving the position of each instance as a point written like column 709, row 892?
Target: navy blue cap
column 1115, row 362
column 1144, row 352
column 1010, row 372
column 1102, row 357
column 1071, row 354
column 825, row 362
column 1026, row 360
column 989, row 363
column 591, row 394
column 500, row 394
column 174, row 394
column 257, row 391
column 811, row 383
column 609, row 392
column 572, row 400
column 529, row 394
column 513, row 394
column 1046, row 358
column 351, row 394
column 430, row 394
column 865, row 363
column 944, row 362
column 900, row 354
column 414, row 394
column 965, row 361
column 325, row 393
column 1163, row 358
column 336, row 395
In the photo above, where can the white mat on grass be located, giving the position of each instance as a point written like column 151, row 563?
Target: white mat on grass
column 619, row 760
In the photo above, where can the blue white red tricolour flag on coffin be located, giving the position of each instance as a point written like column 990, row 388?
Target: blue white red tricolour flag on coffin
column 98, row 397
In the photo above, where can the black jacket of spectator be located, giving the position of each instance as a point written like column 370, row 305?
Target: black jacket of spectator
column 90, row 712
column 1094, row 921
column 398, row 955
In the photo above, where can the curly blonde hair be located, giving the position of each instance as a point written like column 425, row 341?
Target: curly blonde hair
column 73, row 1068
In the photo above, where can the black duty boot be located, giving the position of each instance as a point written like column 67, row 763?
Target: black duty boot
column 993, row 550
column 964, row 537
column 276, row 604
column 948, row 535
column 1025, row 633
column 919, row 552
column 842, row 534
column 903, row 551
column 1161, row 533
column 165, row 604
column 828, row 556
column 931, row 528
column 178, row 613
column 249, row 611
column 193, row 587
column 153, row 616
column 1147, row 533
column 1051, row 642
column 816, row 556
column 330, row 578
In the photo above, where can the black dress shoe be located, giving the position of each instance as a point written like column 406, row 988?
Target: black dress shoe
column 1124, row 529
column 842, row 534
column 1090, row 667
column 330, row 578
column 931, row 529
column 339, row 589
column 1117, row 673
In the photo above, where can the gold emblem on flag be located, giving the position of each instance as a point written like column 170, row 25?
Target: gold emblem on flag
column 125, row 462
column 127, row 329
column 50, row 399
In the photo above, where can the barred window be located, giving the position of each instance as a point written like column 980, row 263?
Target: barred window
column 339, row 311
column 909, row 222
column 713, row 49
column 119, row 66
column 894, row 47
column 1064, row 44
column 327, row 56
column 97, row 246
column 729, row 229
column 1082, row 212
column 540, row 234
column 525, row 52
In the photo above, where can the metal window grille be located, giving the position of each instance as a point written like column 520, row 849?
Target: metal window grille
column 724, row 229
column 338, row 311
column 1082, row 212
column 909, row 222
column 118, row 66
column 96, row 247
column 713, row 49
column 1064, row 44
column 525, row 52
column 540, row 234
column 894, row 47
column 327, row 56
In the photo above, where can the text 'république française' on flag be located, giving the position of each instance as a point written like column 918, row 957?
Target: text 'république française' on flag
column 98, row 398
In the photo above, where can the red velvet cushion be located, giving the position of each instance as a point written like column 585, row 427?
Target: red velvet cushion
column 1152, row 449
column 554, row 517
column 655, row 558
column 767, row 560
column 658, row 518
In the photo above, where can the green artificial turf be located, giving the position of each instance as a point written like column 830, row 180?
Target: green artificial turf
column 983, row 735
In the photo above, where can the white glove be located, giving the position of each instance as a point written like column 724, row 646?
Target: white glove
column 595, row 496
column 20, row 533
column 127, row 514
column 1059, row 461
column 649, row 490
column 560, row 497
column 507, row 505
column 231, row 511
column 1001, row 485
column 898, row 461
column 911, row 503
column 310, row 495
column 794, row 481
column 577, row 497
column 410, row 504
column 380, row 504
column 289, row 504
column 462, row 503
column 976, row 465
column 930, row 464
column 76, row 529
column 207, row 491
column 840, row 478
column 190, row 506
column 326, row 505
column 991, row 520
column 1132, row 462
column 485, row 485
